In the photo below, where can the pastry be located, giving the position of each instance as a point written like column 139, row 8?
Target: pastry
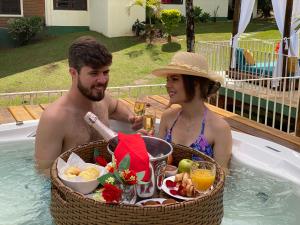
column 168, row 201
column 89, row 173
column 72, row 172
column 151, row 202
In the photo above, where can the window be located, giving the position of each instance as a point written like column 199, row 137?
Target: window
column 179, row 2
column 10, row 7
column 70, row 4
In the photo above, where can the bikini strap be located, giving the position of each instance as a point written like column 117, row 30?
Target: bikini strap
column 178, row 114
column 203, row 121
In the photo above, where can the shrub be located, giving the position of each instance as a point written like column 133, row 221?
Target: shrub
column 138, row 28
column 205, row 17
column 182, row 19
column 24, row 29
column 265, row 6
column 170, row 19
column 197, row 13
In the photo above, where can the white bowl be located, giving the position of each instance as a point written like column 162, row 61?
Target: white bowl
column 81, row 186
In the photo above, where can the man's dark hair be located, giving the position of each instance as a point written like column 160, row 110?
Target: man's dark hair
column 207, row 87
column 87, row 51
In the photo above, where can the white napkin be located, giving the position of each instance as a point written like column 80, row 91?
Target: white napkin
column 73, row 160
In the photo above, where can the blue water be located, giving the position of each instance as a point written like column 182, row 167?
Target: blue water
column 250, row 198
column 25, row 196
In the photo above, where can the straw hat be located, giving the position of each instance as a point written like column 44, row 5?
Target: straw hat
column 188, row 63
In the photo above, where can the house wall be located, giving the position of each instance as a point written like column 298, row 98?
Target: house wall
column 207, row 6
column 30, row 8
column 113, row 18
column 98, row 16
column 66, row 17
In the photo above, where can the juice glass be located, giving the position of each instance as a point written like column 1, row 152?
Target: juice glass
column 203, row 175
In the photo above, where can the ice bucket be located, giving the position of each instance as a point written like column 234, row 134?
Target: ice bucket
column 158, row 150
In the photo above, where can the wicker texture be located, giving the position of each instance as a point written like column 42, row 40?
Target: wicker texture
column 69, row 207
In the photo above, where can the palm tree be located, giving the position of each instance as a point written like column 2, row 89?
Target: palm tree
column 190, row 26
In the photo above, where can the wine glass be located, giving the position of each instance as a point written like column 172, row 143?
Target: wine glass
column 149, row 120
column 203, row 175
column 139, row 108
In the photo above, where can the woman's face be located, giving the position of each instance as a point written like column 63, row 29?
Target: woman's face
column 175, row 89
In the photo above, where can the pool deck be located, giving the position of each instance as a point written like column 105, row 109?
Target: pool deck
column 159, row 103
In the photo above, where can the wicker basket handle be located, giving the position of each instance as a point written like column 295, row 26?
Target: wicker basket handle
column 56, row 194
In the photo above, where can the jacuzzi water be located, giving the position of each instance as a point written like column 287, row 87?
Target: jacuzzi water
column 251, row 196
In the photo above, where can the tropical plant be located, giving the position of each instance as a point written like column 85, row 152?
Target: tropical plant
column 153, row 10
column 170, row 19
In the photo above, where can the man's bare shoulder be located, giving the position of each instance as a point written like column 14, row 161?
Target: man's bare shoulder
column 56, row 111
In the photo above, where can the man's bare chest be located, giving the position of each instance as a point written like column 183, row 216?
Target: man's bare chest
column 78, row 132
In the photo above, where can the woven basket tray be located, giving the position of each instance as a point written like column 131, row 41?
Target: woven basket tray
column 70, row 207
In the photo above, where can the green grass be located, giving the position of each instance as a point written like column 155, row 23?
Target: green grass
column 43, row 65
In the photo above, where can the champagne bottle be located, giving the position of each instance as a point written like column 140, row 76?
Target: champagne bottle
column 107, row 133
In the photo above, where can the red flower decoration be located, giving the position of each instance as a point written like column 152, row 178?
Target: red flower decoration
column 110, row 169
column 129, row 176
column 101, row 161
column 111, row 193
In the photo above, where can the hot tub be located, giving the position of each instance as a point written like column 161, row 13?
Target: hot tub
column 263, row 186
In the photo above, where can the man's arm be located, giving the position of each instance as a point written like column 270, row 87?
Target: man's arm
column 48, row 142
column 119, row 111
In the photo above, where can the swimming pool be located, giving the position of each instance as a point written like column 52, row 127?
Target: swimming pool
column 252, row 195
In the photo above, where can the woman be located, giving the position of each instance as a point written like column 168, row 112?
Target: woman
column 189, row 84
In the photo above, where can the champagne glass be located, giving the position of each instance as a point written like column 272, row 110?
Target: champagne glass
column 149, row 120
column 203, row 175
column 139, row 108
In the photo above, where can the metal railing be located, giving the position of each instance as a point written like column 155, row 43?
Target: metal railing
column 257, row 100
column 250, row 98
column 40, row 97
column 251, row 90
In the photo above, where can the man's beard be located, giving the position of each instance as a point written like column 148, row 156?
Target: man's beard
column 88, row 93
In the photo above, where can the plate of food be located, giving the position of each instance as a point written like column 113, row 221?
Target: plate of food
column 156, row 202
column 179, row 186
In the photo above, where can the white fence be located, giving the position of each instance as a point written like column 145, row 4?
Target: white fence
column 249, row 98
column 251, row 90
column 253, row 59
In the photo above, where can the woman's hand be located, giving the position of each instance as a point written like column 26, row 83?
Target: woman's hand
column 145, row 132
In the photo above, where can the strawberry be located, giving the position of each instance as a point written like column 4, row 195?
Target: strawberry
column 171, row 184
column 174, row 192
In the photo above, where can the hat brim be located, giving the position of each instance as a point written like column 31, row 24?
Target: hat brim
column 168, row 70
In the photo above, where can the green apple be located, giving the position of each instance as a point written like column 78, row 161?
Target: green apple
column 185, row 165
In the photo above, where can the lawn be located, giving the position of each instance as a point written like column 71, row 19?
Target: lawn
column 43, row 65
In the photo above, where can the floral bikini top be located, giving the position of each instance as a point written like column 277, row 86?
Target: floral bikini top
column 200, row 144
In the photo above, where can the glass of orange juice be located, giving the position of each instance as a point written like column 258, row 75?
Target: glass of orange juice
column 203, row 175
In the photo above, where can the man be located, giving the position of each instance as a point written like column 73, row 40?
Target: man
column 62, row 126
